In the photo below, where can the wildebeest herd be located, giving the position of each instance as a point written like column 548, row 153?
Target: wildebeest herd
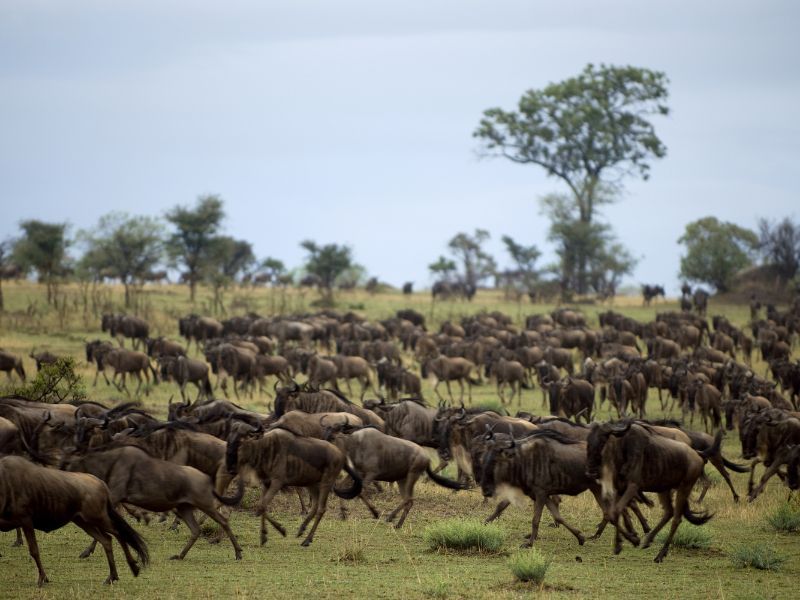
column 88, row 463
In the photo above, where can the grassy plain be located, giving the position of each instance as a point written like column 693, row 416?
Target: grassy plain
column 361, row 557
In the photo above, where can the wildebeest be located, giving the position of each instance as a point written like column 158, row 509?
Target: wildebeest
column 11, row 363
column 183, row 370
column 96, row 352
column 280, row 458
column 353, row 367
column 321, row 371
column 700, row 300
column 134, row 477
column 448, row 289
column 572, row 398
column 161, row 346
column 126, row 326
column 34, row 497
column 125, row 361
column 649, row 292
column 44, row 357
column 310, row 400
column 510, row 373
column 543, row 464
column 447, row 369
column 627, row 459
column 376, row 456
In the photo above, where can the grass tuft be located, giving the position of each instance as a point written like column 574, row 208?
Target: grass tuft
column 352, row 553
column 464, row 535
column 688, row 536
column 757, row 556
column 785, row 518
column 529, row 565
column 440, row 589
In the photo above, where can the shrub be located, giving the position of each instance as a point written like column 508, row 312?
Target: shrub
column 529, row 565
column 687, row 536
column 758, row 556
column 464, row 535
column 785, row 518
column 57, row 382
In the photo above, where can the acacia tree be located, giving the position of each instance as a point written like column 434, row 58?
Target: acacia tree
column 195, row 230
column 476, row 262
column 274, row 269
column 124, row 247
column 779, row 243
column 590, row 131
column 225, row 259
column 43, row 247
column 716, row 251
column 524, row 257
column 327, row 262
column 443, row 268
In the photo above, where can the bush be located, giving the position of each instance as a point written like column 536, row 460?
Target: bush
column 54, row 383
column 758, row 556
column 464, row 535
column 529, row 565
column 785, row 518
column 687, row 536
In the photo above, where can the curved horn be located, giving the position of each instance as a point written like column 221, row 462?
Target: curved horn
column 321, row 419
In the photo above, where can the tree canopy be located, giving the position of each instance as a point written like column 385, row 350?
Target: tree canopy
column 195, row 229
column 715, row 251
column 327, row 262
column 590, row 131
column 779, row 243
column 43, row 248
column 124, row 247
column 468, row 249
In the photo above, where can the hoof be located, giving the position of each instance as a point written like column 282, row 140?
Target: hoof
column 263, row 539
column 238, row 555
column 176, row 557
column 581, row 540
column 85, row 554
column 306, row 543
column 110, row 580
column 282, row 531
column 526, row 545
column 658, row 558
column 134, row 569
column 736, row 498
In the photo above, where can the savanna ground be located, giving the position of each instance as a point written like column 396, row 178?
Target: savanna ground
column 362, row 557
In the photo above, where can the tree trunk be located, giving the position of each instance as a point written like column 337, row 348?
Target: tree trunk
column 192, row 285
column 2, row 303
column 127, row 294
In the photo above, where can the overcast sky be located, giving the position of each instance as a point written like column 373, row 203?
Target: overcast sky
column 351, row 121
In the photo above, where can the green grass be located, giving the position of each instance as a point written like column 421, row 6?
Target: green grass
column 757, row 556
column 464, row 535
column 529, row 566
column 396, row 563
column 785, row 518
column 688, row 536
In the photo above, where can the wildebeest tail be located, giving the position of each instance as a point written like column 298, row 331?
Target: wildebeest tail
column 232, row 500
column 736, row 468
column 445, row 482
column 695, row 518
column 714, row 448
column 354, row 490
column 127, row 534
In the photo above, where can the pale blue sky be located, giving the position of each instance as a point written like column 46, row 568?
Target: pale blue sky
column 351, row 121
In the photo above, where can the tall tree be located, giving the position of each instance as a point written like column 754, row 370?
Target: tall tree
column 195, row 229
column 43, row 247
column 124, row 247
column 223, row 260
column 590, row 131
column 524, row 257
column 716, row 251
column 274, row 269
column 327, row 262
column 779, row 243
column 476, row 262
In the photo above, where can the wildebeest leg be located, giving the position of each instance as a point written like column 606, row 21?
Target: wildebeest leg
column 634, row 506
column 681, row 498
column 500, row 393
column 777, row 462
column 18, row 541
column 537, row 517
column 752, row 474
column 105, row 542
column 185, row 512
column 303, row 509
column 666, row 503
column 442, row 464
column 349, row 388
column 89, row 550
column 322, row 502
column 269, row 494
column 33, row 549
column 553, row 508
column 449, row 391
column 498, row 510
column 436, row 390
column 720, row 466
column 706, row 482
column 223, row 522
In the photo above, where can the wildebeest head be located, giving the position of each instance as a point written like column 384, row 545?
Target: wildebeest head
column 282, row 395
column 596, row 442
